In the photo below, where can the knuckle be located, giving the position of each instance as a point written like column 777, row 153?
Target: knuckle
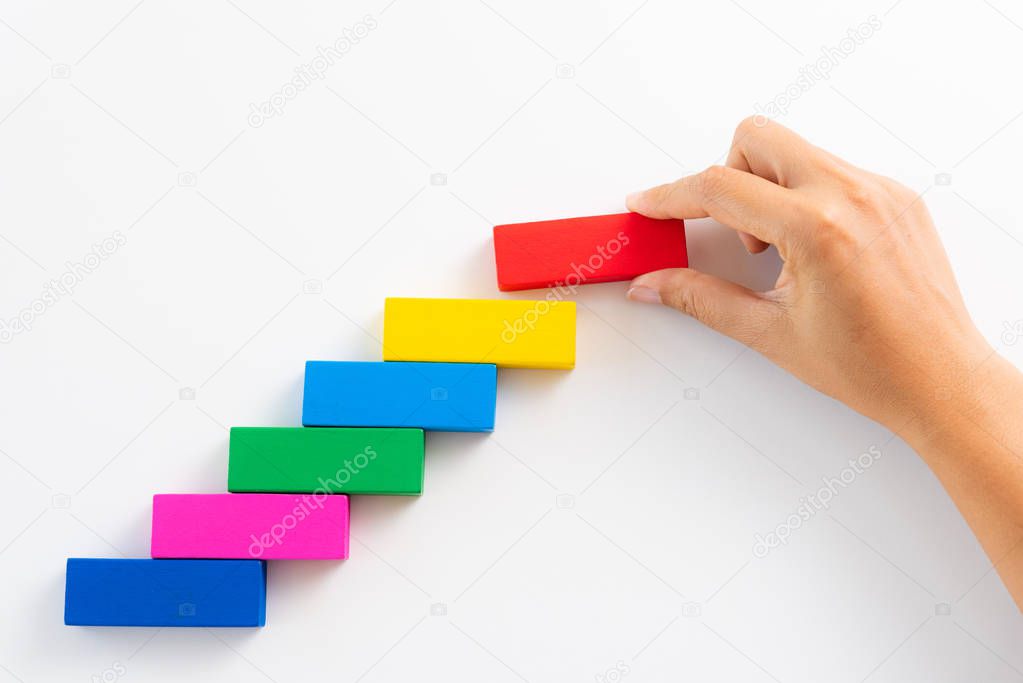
column 861, row 198
column 826, row 218
column 835, row 168
column 712, row 181
column 877, row 198
column 898, row 192
column 751, row 125
column 689, row 300
column 832, row 232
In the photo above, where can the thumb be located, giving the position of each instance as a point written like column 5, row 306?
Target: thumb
column 734, row 310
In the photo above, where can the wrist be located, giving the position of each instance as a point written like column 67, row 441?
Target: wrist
column 984, row 394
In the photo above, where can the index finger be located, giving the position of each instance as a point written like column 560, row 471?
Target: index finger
column 740, row 200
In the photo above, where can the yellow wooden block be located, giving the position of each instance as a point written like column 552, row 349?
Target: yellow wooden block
column 509, row 333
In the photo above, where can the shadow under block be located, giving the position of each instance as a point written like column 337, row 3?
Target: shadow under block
column 452, row 397
column 118, row 592
column 506, row 332
column 576, row 251
column 380, row 461
column 264, row 526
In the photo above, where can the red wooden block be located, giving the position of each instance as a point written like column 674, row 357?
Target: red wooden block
column 576, row 251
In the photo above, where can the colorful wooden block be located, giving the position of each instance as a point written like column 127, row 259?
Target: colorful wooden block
column 381, row 461
column 570, row 252
column 452, row 397
column 506, row 332
column 117, row 592
column 264, row 526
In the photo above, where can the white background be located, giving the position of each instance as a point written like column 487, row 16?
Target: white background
column 130, row 117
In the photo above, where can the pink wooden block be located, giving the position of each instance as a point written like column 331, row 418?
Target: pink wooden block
column 262, row 526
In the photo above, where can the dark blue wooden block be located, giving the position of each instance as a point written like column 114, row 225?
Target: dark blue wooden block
column 450, row 397
column 102, row 592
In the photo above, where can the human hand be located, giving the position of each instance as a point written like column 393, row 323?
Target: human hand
column 866, row 308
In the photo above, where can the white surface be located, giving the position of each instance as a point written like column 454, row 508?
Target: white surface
column 651, row 569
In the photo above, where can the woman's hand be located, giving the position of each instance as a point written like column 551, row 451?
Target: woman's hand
column 866, row 309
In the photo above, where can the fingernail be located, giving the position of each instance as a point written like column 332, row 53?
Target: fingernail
column 632, row 199
column 643, row 295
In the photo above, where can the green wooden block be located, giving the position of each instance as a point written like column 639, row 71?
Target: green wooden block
column 326, row 460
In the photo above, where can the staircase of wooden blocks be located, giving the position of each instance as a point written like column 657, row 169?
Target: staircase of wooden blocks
column 362, row 433
column 362, row 430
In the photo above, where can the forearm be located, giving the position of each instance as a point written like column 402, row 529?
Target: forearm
column 971, row 436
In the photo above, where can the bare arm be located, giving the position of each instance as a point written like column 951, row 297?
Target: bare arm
column 866, row 309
